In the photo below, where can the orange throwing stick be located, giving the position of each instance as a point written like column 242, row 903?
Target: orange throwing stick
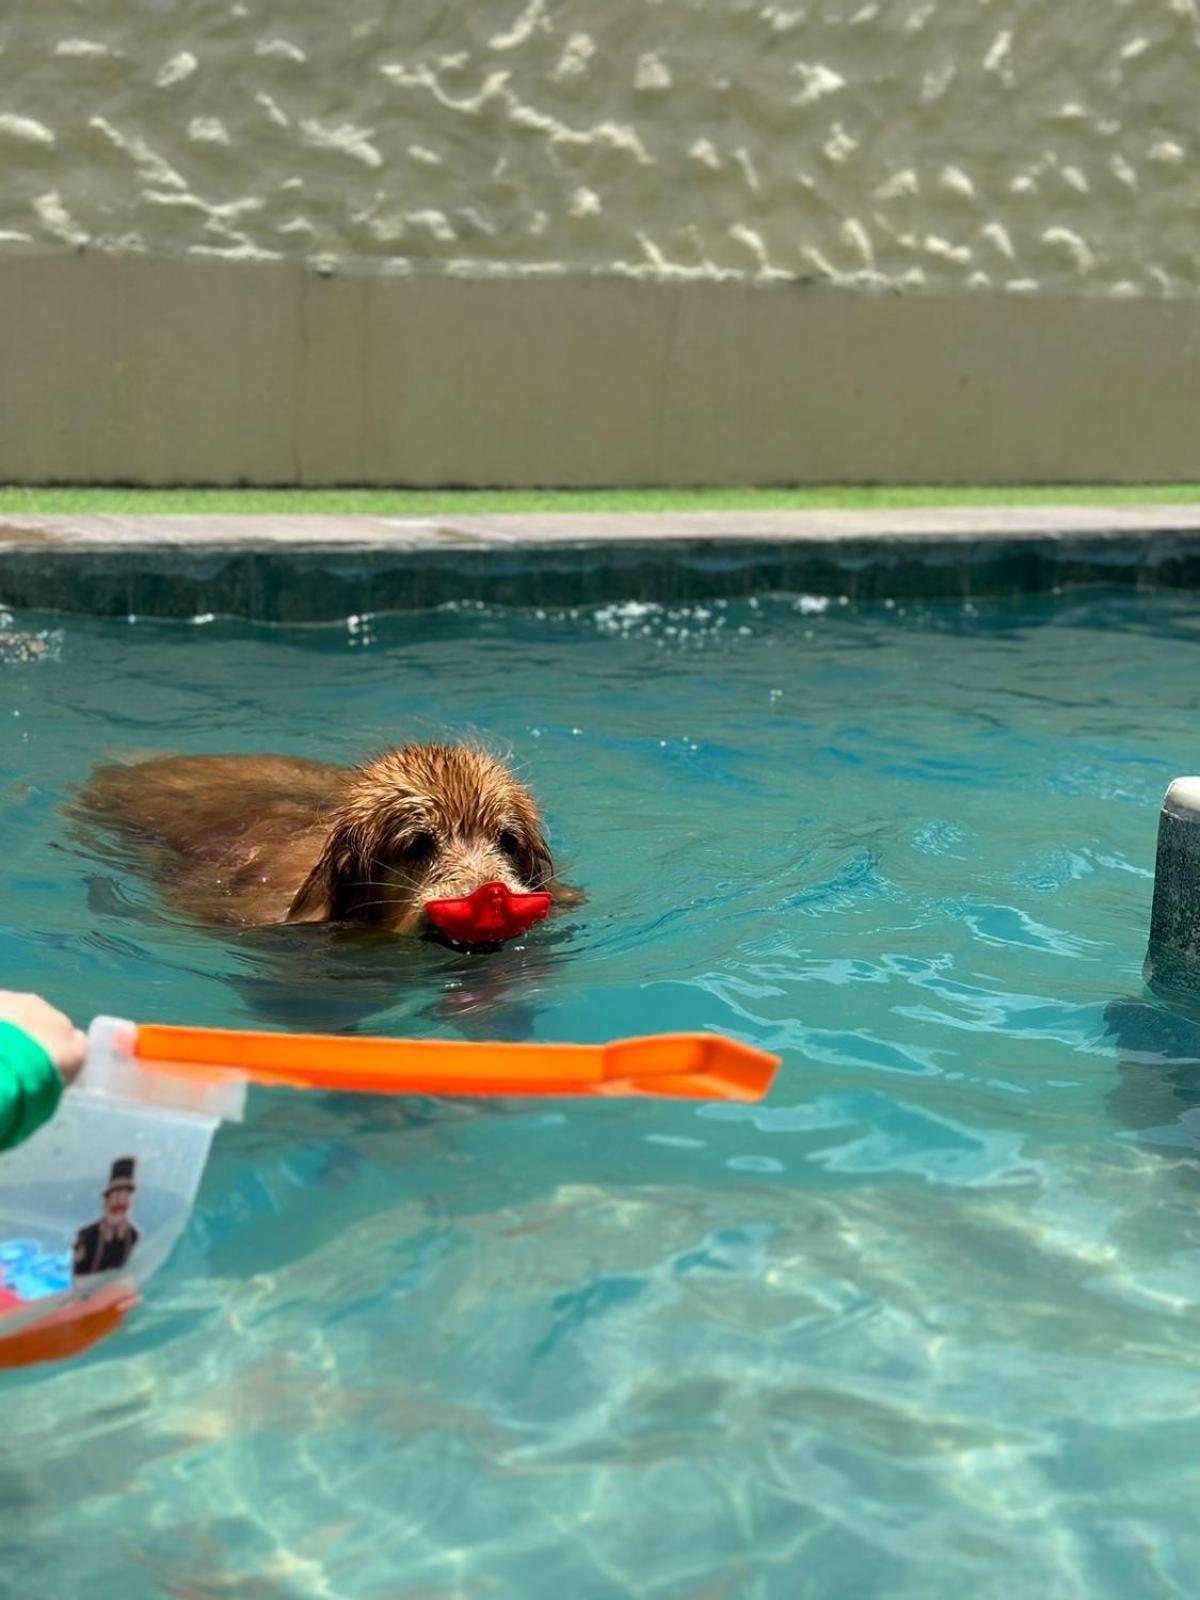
column 690, row 1066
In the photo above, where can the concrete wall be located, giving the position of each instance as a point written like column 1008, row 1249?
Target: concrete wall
column 554, row 241
column 141, row 370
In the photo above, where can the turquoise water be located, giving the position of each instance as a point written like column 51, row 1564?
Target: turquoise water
column 922, row 1324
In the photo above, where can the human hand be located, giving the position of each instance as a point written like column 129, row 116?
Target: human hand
column 58, row 1036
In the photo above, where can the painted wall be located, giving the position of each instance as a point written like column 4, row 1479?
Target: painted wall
column 240, row 241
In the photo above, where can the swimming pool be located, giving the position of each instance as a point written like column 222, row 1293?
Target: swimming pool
column 924, row 1320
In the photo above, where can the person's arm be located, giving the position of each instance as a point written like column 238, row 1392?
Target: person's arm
column 40, row 1050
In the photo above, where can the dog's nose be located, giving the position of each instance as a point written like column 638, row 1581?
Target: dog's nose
column 493, row 913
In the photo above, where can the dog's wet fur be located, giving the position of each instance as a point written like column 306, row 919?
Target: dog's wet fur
column 254, row 841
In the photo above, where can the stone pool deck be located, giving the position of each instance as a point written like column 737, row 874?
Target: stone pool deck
column 318, row 567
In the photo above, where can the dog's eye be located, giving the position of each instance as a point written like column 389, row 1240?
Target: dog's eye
column 510, row 844
column 416, row 847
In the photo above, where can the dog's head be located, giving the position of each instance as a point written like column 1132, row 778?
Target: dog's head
column 424, row 823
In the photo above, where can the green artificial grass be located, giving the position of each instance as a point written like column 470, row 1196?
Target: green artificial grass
column 448, row 502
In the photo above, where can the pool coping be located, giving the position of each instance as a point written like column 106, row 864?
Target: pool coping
column 318, row 567
column 508, row 530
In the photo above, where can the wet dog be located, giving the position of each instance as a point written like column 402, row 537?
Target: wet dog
column 251, row 841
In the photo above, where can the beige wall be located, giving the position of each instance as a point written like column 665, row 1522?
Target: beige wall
column 565, row 241
column 140, row 370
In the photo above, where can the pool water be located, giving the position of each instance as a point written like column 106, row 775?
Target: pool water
column 924, row 1323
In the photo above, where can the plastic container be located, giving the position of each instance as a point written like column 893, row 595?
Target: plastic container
column 94, row 1202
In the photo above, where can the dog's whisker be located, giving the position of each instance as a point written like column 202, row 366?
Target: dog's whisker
column 384, row 866
column 368, row 883
column 403, row 900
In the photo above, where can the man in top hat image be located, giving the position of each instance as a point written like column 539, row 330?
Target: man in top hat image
column 108, row 1242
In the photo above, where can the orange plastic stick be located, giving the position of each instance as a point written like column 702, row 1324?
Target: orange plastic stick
column 696, row 1066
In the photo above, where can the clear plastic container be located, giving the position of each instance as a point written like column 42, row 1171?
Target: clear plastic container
column 94, row 1202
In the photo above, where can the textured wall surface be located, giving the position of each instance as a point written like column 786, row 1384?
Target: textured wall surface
column 950, row 144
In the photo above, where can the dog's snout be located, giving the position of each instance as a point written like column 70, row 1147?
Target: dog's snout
column 461, row 868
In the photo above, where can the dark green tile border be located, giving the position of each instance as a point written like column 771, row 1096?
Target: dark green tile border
column 310, row 584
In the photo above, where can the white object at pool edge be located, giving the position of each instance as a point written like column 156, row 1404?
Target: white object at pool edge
column 1183, row 799
column 1175, row 910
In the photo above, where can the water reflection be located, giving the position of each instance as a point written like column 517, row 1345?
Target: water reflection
column 1157, row 1041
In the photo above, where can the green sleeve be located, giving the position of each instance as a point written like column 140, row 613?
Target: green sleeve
column 30, row 1087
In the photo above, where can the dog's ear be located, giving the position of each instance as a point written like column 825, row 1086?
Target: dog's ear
column 324, row 894
column 314, row 898
column 540, row 873
column 539, row 868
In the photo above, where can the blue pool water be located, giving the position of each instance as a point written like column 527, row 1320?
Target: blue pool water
column 923, row 1324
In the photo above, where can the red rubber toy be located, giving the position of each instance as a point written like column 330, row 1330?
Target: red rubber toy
column 489, row 916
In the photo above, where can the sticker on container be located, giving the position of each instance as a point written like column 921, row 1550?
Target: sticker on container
column 107, row 1244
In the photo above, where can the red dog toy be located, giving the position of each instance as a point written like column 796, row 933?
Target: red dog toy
column 493, row 913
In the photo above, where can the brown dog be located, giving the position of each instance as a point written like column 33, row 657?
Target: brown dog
column 256, row 840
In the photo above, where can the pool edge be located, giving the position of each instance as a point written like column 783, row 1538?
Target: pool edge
column 316, row 567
